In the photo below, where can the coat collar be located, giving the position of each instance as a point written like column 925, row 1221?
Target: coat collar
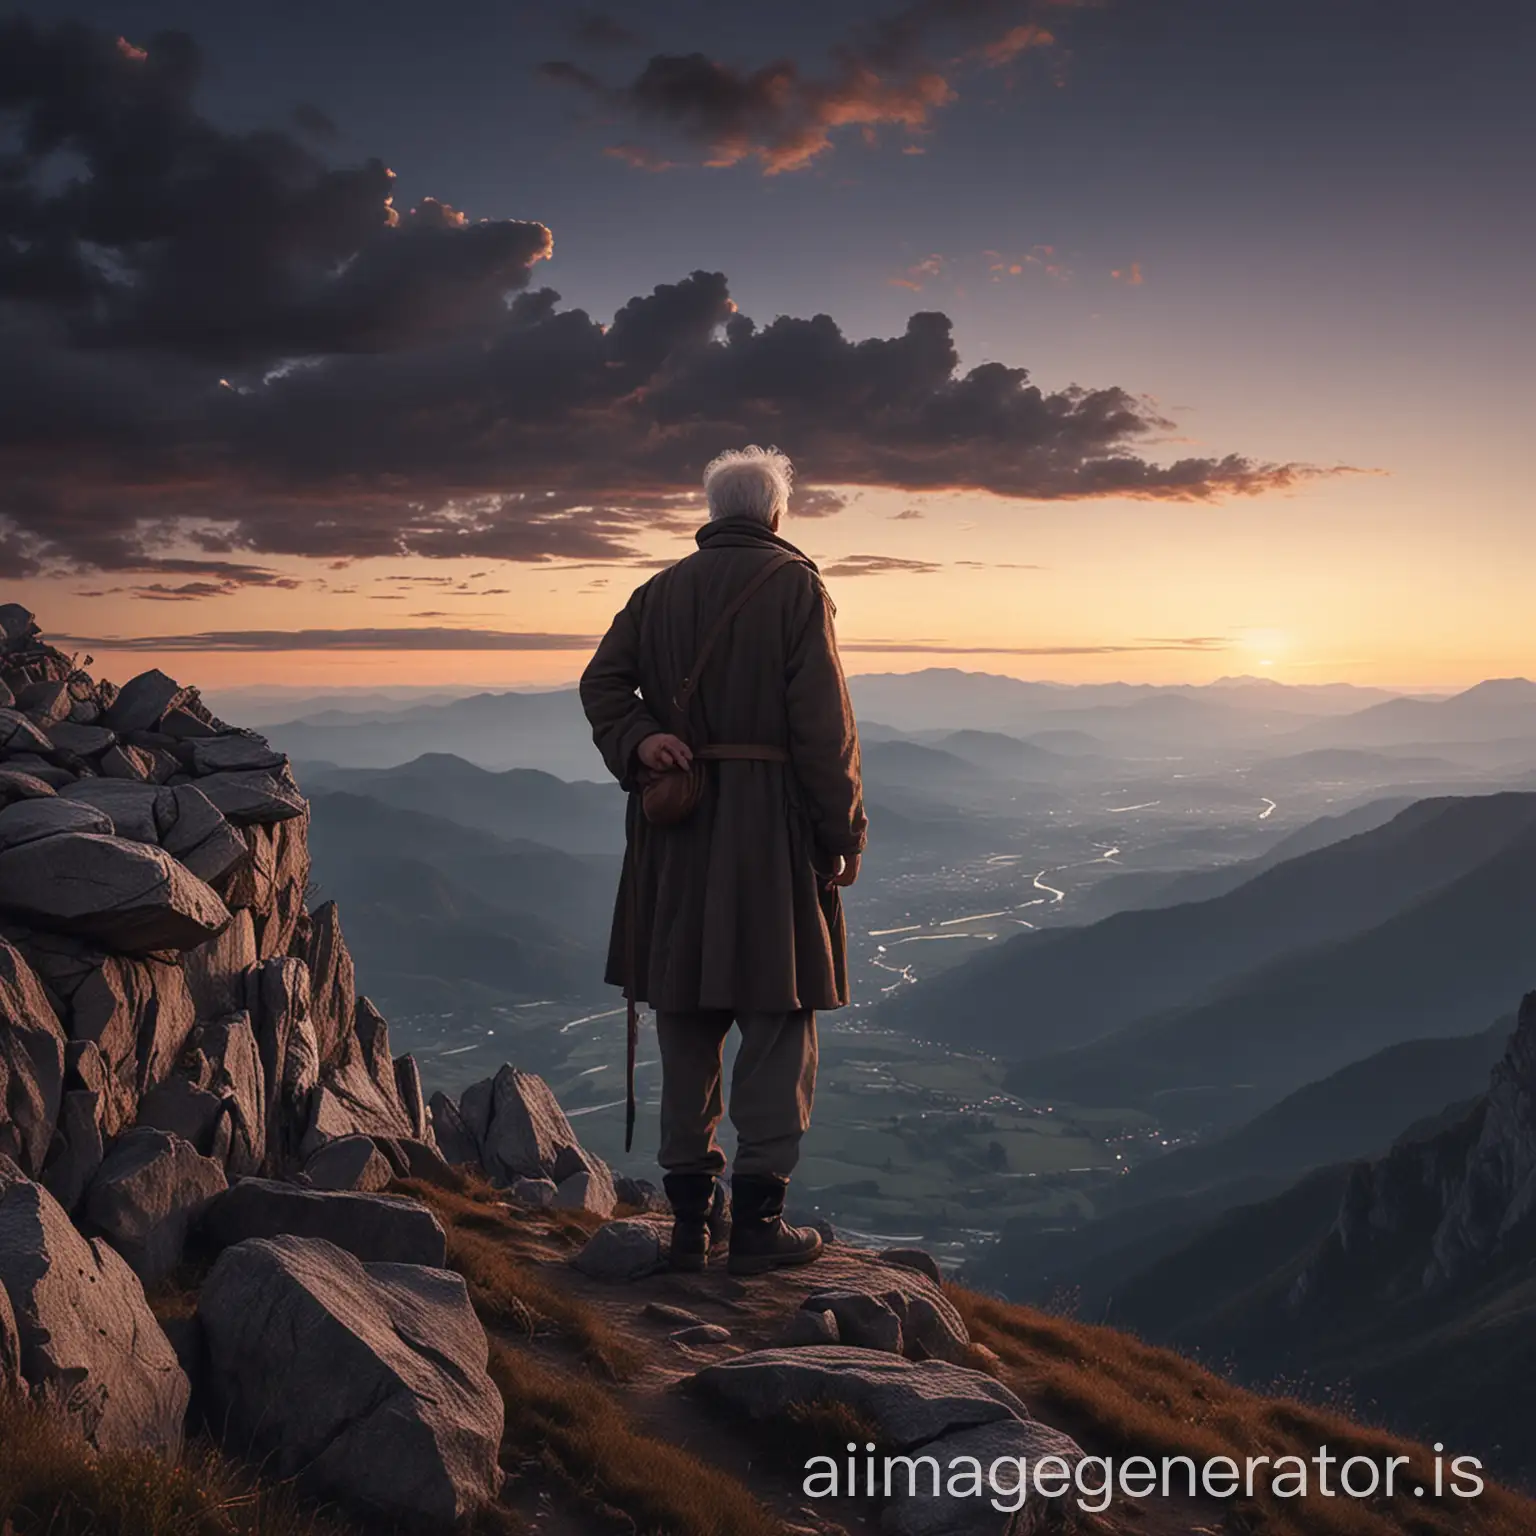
column 745, row 533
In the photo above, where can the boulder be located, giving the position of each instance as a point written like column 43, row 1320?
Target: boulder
column 453, row 1137
column 129, row 897
column 528, row 1133
column 18, row 786
column 621, row 1250
column 590, row 1192
column 357, row 1094
column 921, row 1512
column 196, row 831
column 142, row 700
column 283, row 913
column 352, row 1162
column 179, row 723
column 537, row 1193
column 17, row 625
column 81, row 740
column 144, row 1198
column 139, row 1013
column 412, row 1099
column 910, row 1404
column 78, row 1146
column 216, row 1097
column 277, row 995
column 132, row 807
column 126, row 762
column 700, row 1334
column 11, row 1383
column 46, row 702
column 332, row 982
column 19, row 734
column 236, row 752
column 367, row 1382
column 255, row 797
column 87, row 1337
column 641, row 1194
column 375, row 1228
column 216, row 970
column 54, row 775
column 863, row 1320
column 25, row 821
column 808, row 1329
column 913, row 1258
column 32, row 1046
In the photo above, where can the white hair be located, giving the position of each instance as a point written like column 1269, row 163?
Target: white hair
column 749, row 482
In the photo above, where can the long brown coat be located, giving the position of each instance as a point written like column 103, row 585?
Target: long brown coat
column 730, row 911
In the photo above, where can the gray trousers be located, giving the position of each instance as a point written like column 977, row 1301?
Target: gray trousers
column 772, row 1087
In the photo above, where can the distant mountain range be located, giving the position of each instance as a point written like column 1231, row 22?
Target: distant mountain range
column 1044, row 993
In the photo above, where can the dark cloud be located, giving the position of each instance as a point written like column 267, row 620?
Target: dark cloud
column 217, row 347
column 339, row 640
column 428, row 639
column 885, row 74
column 880, row 565
column 597, row 29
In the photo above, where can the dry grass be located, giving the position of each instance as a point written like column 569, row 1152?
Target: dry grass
column 493, row 1249
column 50, row 1484
column 580, row 1435
column 1128, row 1398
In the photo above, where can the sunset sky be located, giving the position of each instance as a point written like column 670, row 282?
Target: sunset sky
column 1269, row 267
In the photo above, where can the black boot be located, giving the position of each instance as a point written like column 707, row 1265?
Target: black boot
column 760, row 1241
column 692, row 1196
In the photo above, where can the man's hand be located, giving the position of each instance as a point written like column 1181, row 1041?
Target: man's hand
column 664, row 751
column 845, row 874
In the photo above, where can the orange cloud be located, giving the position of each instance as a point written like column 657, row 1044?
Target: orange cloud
column 1130, row 276
column 1016, row 40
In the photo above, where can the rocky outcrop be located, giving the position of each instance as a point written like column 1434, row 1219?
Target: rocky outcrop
column 375, row 1228
column 1445, row 1207
column 32, row 1045
column 87, row 1340
column 366, row 1381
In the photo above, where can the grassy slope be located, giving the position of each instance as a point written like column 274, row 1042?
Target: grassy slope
column 562, row 1370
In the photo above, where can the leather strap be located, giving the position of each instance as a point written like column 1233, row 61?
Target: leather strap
column 690, row 682
column 632, row 1013
column 741, row 752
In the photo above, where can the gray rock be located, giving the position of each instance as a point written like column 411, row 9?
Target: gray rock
column 150, row 1188
column 277, row 998
column 807, row 1329
column 216, row 1097
column 910, row 1403
column 197, row 832
column 53, row 774
column 46, row 702
column 181, row 724
column 529, row 1134
column 126, row 896
column 641, row 1194
column 591, row 1192
column 701, row 1333
column 247, row 798
column 82, row 740
column 126, row 762
column 87, row 1337
column 24, row 787
column 352, row 1162
column 621, row 1250
column 672, row 1317
column 913, row 1258
column 537, row 1193
column 412, row 1100
column 419, row 1160
column 959, row 1514
column 27, row 820
column 366, row 1381
column 17, row 625
column 475, row 1112
column 376, row 1228
column 863, row 1320
column 19, row 734
column 136, row 809
column 216, row 970
column 11, row 1383
column 142, row 700
column 31, row 1064
column 78, row 1147
column 236, row 752
column 931, row 1328
column 332, row 982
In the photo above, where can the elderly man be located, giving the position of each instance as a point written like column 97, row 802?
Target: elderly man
column 725, row 666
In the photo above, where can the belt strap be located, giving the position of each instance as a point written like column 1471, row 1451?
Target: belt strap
column 740, row 752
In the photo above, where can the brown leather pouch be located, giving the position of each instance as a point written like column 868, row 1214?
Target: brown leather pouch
column 670, row 795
